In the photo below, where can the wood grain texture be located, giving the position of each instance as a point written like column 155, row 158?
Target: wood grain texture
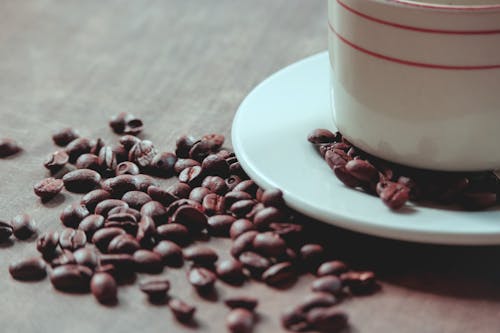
column 184, row 66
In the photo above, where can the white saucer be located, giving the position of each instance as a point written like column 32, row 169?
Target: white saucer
column 269, row 137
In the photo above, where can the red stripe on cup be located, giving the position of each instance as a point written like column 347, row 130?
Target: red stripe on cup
column 472, row 8
column 408, row 62
column 407, row 27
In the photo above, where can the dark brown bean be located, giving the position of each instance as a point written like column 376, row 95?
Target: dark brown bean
column 119, row 185
column 239, row 227
column 242, row 208
column 78, row 147
column 215, row 184
column 136, row 199
column 86, row 257
column 240, row 321
column 174, row 232
column 181, row 311
column 96, row 146
column 117, row 122
column 127, row 141
column 179, row 190
column 126, row 168
column 232, row 181
column 202, row 279
column 266, row 216
column 201, row 149
column 294, row 320
column 184, row 145
column 56, row 161
column 214, row 204
column 184, row 163
column 242, row 302
column 321, row 135
column 123, row 263
column 329, row 320
column 142, row 153
column 360, row 283
column 103, row 287
column 317, row 300
column 91, row 199
column 312, row 255
column 291, row 233
column 162, row 196
column 73, row 214
column 124, row 243
column 88, row 161
column 81, row 180
column 71, row 278
column 125, row 210
column 31, row 269
column 363, row 170
column 107, row 159
column 243, row 243
column 103, row 237
column 90, row 224
column 201, row 255
column 335, row 267
column 279, row 273
column 230, row 271
column 47, row 243
column 72, row 239
column 198, row 193
column 23, row 226
column 48, row 188
column 248, row 186
column 236, row 169
column 148, row 261
column 191, row 218
column 269, row 244
column 345, row 177
column 272, row 198
column 393, row 195
column 8, row 147
column 219, row 225
column 172, row 208
column 192, row 176
column 64, row 136
column 170, row 253
column 163, row 164
column 156, row 211
column 216, row 140
column 6, row 231
column 156, row 289
column 125, row 221
column 329, row 283
column 215, row 165
column 254, row 263
column 104, row 207
column 66, row 257
column 133, row 125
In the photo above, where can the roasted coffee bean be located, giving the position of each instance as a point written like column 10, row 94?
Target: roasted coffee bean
column 81, row 180
column 364, row 171
column 193, row 219
column 23, row 226
column 345, row 177
column 133, row 125
column 225, row 154
column 192, row 176
column 248, row 186
column 136, row 199
column 266, row 216
column 103, row 237
column 232, row 181
column 142, row 182
column 335, row 267
column 240, row 321
column 269, row 244
column 104, row 207
column 66, row 257
column 230, row 271
column 156, row 211
column 256, row 208
column 279, row 273
column 394, row 195
column 107, row 159
column 78, row 147
column 156, row 289
column 56, row 161
column 123, row 263
column 317, row 300
column 236, row 169
column 91, row 224
column 219, row 225
column 71, row 278
column 201, row 149
column 294, row 320
column 73, row 214
column 142, row 153
column 124, row 243
column 128, row 141
column 146, row 232
column 125, row 210
column 360, row 283
column 91, row 199
column 201, row 255
column 88, row 161
column 215, row 184
column 162, row 196
column 124, row 221
column 179, row 190
column 119, row 185
column 184, row 163
column 478, row 200
column 163, row 164
column 181, row 310
column 329, row 284
column 170, row 253
column 8, row 147
column 172, row 208
column 174, row 232
column 126, row 168
column 239, row 227
column 47, row 243
column 216, row 140
column 242, row 302
column 214, row 204
column 198, row 193
column 312, row 255
column 329, row 320
column 291, row 233
column 48, row 188
column 202, row 279
column 86, row 257
column 321, row 135
column 103, row 287
column 72, row 239
column 96, row 146
column 31, row 269
column 336, row 158
column 254, row 263
column 148, row 261
column 243, row 243
column 117, row 122
column 184, row 145
column 215, row 165
column 64, row 136
column 6, row 231
column 120, row 152
column 242, row 208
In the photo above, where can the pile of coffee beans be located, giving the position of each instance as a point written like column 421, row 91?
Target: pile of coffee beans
column 127, row 223
column 396, row 184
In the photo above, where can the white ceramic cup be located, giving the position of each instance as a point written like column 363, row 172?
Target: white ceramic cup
column 418, row 82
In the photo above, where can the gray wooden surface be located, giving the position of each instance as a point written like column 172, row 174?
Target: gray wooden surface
column 184, row 66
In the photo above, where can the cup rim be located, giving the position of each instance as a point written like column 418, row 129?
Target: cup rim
column 443, row 7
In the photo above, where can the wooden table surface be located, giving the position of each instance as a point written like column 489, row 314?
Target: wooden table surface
column 184, row 66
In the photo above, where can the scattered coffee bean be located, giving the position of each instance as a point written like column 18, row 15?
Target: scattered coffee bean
column 179, row 190
column 312, row 255
column 92, row 198
column 215, row 165
column 163, row 164
column 78, row 147
column 174, row 232
column 317, row 300
column 291, row 233
column 184, row 163
column 394, row 195
column 8, row 147
column 103, row 287
column 243, row 243
column 136, row 199
column 321, row 135
column 23, row 226
column 96, row 146
column 104, row 207
column 103, row 237
column 56, row 161
column 126, row 123
column 230, row 271
column 148, row 261
column 71, row 278
column 266, row 216
column 73, row 214
column 6, row 231
column 90, row 224
column 279, row 274
column 272, row 198
column 32, row 269
column 156, row 211
column 360, row 283
column 202, row 279
column 219, row 225
column 329, row 320
column 170, row 253
column 192, row 176
column 126, row 168
column 242, row 208
column 81, row 180
column 184, row 145
column 329, row 283
column 198, row 193
column 161, row 195
column 201, row 255
column 72, row 239
column 48, row 188
column 66, row 257
column 240, row 321
column 214, row 204
column 123, row 263
column 201, row 149
column 64, row 136
column 335, row 267
column 242, row 302
column 142, row 153
column 88, row 161
column 107, row 160
column 232, row 181
column 254, row 263
column 239, row 227
column 86, row 257
column 182, row 311
column 123, row 243
column 156, row 289
column 248, row 186
column 119, row 185
column 216, row 140
column 269, row 244
column 193, row 219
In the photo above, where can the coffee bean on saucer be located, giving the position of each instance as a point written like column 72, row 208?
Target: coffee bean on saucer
column 64, row 136
column 48, row 188
column 6, row 231
column 103, row 287
column 23, row 226
column 31, row 269
column 8, row 147
column 81, row 180
column 394, row 195
column 240, row 321
column 321, row 135
column 56, row 161
column 182, row 311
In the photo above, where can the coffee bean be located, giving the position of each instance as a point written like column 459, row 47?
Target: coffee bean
column 202, row 279
column 242, row 208
column 31, row 269
column 48, row 243
column 215, row 184
column 201, row 149
column 117, row 122
column 240, row 321
column 103, row 287
column 215, row 165
column 181, row 310
column 294, row 320
column 242, row 302
column 239, row 227
column 335, row 267
column 56, row 161
column 142, row 153
column 123, row 263
column 248, row 186
column 127, row 141
column 8, row 147
column 66, row 257
column 279, row 273
column 86, row 257
column 72, row 239
column 184, row 145
column 156, row 211
column 90, row 224
column 172, row 208
column 119, row 185
column 360, row 283
column 329, row 283
column 124, row 243
column 312, row 255
column 96, row 146
column 269, row 244
column 88, row 161
column 362, row 170
column 236, row 169
column 201, row 255
column 48, row 188
column 133, row 125
column 336, row 158
column 266, row 216
column 73, row 214
column 107, row 159
column 179, row 190
column 321, row 135
column 214, row 204
column 193, row 219
column 64, row 136
column 174, row 232
column 254, row 263
column 126, row 168
column 317, row 300
column 162, row 196
column 216, row 140
column 71, row 278
column 230, row 271
column 198, row 193
column 219, row 225
column 103, row 237
column 23, row 226
column 148, row 261
column 124, row 221
column 170, row 253
column 156, row 289
column 163, row 164
column 104, row 207
column 6, row 231
column 192, row 176
column 81, row 180
column 184, row 163
column 394, row 195
column 232, row 181
column 272, row 198
column 125, row 210
column 345, row 177
column 78, row 147
column 291, row 233
column 243, row 243
column 136, row 199
column 329, row 320
column 91, row 199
